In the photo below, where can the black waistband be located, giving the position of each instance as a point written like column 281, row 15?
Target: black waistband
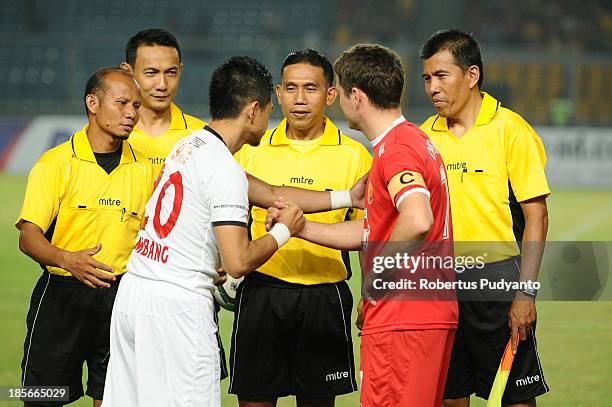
column 72, row 279
column 507, row 269
column 516, row 260
column 263, row 279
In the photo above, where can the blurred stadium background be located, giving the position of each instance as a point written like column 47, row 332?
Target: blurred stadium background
column 550, row 61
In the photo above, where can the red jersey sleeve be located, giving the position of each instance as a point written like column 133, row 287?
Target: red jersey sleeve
column 403, row 171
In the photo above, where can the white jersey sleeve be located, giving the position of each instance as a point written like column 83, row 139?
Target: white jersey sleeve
column 227, row 195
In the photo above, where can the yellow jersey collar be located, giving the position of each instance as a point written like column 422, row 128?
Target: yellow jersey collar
column 488, row 109
column 331, row 135
column 82, row 149
column 177, row 119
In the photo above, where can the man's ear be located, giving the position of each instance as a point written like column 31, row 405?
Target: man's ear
column 92, row 102
column 126, row 67
column 252, row 109
column 358, row 96
column 474, row 75
column 278, row 89
column 332, row 93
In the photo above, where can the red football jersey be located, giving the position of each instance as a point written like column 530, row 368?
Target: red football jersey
column 407, row 162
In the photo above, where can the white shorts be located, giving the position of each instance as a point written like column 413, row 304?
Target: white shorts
column 163, row 348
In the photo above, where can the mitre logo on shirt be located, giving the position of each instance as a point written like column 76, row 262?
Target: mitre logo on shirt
column 157, row 160
column 109, row 201
column 456, row 166
column 301, row 180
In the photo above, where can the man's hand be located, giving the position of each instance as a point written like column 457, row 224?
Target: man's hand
column 271, row 218
column 222, row 277
column 292, row 217
column 273, row 213
column 368, row 292
column 521, row 316
column 86, row 269
column 359, row 321
column 358, row 192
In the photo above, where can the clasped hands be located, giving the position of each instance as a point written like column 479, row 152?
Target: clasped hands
column 287, row 213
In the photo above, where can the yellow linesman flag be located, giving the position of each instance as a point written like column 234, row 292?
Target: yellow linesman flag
column 501, row 378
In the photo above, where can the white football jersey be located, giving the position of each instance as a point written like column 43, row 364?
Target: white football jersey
column 200, row 186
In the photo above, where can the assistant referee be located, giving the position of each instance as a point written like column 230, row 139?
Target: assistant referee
column 83, row 206
column 495, row 165
column 153, row 56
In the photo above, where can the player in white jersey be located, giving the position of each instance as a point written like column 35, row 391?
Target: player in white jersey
column 163, row 346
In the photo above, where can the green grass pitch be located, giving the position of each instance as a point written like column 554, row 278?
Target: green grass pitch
column 574, row 337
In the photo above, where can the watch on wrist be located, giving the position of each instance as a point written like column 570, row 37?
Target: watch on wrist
column 529, row 292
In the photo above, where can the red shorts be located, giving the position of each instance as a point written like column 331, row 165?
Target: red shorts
column 405, row 368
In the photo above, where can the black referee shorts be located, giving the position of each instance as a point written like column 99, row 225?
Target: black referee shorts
column 482, row 335
column 291, row 339
column 68, row 324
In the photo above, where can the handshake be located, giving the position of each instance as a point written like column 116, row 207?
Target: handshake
column 286, row 213
column 285, row 218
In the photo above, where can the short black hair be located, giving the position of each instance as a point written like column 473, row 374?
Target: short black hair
column 152, row 36
column 96, row 84
column 376, row 70
column 238, row 81
column 311, row 57
column 463, row 47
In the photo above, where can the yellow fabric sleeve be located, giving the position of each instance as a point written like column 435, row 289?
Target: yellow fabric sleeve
column 42, row 196
column 526, row 159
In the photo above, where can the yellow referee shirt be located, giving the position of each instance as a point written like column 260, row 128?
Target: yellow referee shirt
column 157, row 148
column 496, row 163
column 78, row 205
column 332, row 161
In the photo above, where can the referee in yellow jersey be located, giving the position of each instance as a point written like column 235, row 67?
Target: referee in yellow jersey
column 153, row 56
column 495, row 165
column 83, row 207
column 292, row 333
